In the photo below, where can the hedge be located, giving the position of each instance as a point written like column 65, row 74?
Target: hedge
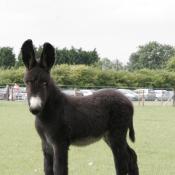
column 89, row 76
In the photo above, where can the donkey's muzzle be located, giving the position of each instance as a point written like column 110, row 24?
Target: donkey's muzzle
column 35, row 104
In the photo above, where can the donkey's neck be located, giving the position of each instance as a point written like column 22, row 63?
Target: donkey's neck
column 55, row 98
column 54, row 103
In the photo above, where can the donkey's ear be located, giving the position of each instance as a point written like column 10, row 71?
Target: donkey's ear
column 28, row 54
column 47, row 57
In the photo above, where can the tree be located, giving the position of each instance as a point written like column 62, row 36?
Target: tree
column 19, row 61
column 117, row 65
column 76, row 56
column 67, row 56
column 152, row 56
column 7, row 58
column 171, row 64
column 106, row 64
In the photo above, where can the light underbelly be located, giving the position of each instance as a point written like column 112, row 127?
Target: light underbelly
column 86, row 141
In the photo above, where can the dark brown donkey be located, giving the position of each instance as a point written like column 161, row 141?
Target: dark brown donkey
column 62, row 120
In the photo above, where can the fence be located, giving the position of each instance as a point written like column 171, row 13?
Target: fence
column 139, row 96
column 12, row 93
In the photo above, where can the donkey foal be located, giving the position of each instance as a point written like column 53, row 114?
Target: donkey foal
column 62, row 120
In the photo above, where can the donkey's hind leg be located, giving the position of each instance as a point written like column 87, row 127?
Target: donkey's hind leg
column 133, row 167
column 118, row 144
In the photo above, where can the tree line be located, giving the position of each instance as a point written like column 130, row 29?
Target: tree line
column 62, row 56
column 152, row 55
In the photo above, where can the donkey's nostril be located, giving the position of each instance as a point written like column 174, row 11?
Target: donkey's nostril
column 35, row 111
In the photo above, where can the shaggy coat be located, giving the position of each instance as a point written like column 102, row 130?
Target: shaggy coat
column 62, row 120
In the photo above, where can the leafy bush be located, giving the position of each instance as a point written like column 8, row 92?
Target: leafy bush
column 88, row 76
column 11, row 76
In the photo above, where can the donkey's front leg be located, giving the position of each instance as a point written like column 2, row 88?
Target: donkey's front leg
column 60, row 166
column 48, row 158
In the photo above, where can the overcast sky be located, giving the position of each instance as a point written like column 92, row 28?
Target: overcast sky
column 114, row 27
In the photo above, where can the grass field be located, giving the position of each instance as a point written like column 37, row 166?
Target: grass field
column 20, row 150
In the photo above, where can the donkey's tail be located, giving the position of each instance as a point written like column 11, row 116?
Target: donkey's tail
column 132, row 132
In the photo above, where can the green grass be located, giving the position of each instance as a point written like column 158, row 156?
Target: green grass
column 20, row 150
